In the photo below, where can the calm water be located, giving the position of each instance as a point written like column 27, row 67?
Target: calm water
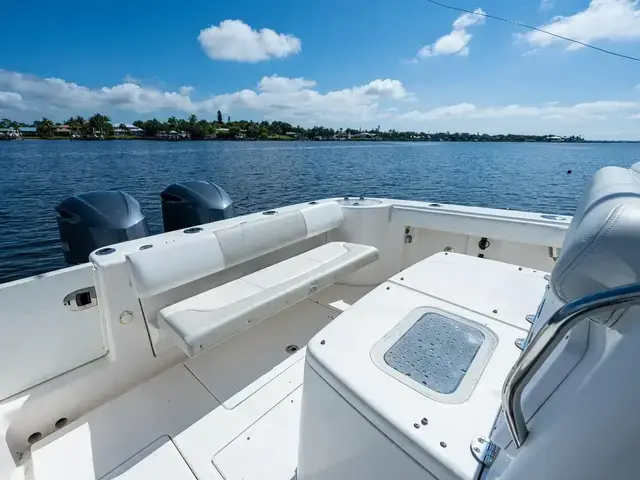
column 36, row 175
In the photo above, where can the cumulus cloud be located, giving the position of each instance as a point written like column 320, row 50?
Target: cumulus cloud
column 276, row 83
column 48, row 94
column 236, row 41
column 275, row 97
column 613, row 20
column 11, row 101
column 455, row 42
column 295, row 99
column 581, row 111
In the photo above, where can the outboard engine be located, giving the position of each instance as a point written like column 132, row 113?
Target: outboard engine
column 92, row 220
column 195, row 202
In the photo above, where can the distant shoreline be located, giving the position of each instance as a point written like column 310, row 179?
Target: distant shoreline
column 291, row 139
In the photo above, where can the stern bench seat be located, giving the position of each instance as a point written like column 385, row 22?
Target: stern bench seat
column 208, row 319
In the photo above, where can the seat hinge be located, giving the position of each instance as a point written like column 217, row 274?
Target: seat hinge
column 484, row 450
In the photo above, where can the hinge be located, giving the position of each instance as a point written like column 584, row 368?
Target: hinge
column 484, row 450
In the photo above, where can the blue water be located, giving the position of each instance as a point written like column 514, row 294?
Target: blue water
column 36, row 175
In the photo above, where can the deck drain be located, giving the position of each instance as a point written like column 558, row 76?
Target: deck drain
column 291, row 349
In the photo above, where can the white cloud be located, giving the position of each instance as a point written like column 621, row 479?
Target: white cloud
column 636, row 116
column 276, row 83
column 614, row 20
column 55, row 94
column 294, row 99
column 235, row 40
column 11, row 101
column 131, row 79
column 456, row 42
column 274, row 97
column 582, row 111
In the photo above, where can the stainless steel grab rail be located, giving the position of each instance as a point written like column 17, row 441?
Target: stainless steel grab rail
column 549, row 336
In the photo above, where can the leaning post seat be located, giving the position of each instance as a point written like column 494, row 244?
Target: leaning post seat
column 600, row 250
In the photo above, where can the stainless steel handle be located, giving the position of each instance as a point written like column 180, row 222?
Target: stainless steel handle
column 549, row 336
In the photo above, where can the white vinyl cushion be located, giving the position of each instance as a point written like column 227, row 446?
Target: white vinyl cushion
column 252, row 239
column 164, row 267
column 322, row 217
column 600, row 250
column 210, row 318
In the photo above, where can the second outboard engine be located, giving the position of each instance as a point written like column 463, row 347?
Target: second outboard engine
column 92, row 220
column 195, row 202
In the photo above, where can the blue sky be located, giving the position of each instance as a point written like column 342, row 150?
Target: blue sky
column 404, row 65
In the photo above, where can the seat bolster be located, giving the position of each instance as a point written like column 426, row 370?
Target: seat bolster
column 322, row 217
column 600, row 249
column 208, row 319
column 161, row 268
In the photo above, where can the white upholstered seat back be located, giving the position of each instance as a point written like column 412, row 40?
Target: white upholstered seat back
column 602, row 246
column 164, row 267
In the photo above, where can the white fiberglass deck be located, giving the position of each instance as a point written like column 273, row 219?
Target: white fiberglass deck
column 194, row 411
column 234, row 411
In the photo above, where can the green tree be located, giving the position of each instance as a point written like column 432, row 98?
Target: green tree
column 193, row 119
column 45, row 127
column 100, row 123
column 172, row 122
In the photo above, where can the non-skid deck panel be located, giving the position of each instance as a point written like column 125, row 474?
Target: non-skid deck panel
column 340, row 297
column 256, row 356
column 161, row 459
column 271, row 444
column 500, row 290
column 108, row 436
column 119, row 435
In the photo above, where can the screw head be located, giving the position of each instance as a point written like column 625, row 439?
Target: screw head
column 322, row 342
column 443, row 444
column 476, row 449
column 416, row 425
column 424, row 421
column 495, row 311
column 480, row 440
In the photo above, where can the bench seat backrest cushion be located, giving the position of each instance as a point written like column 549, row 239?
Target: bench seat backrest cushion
column 195, row 256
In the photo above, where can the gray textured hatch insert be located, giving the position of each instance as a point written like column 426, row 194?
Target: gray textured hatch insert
column 437, row 353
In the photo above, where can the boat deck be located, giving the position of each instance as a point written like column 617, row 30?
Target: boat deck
column 200, row 419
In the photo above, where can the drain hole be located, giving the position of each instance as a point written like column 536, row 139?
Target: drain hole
column 61, row 422
column 34, row 437
column 292, row 349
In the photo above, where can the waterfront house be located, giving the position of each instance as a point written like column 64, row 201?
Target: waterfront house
column 129, row 129
column 29, row 131
column 63, row 130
